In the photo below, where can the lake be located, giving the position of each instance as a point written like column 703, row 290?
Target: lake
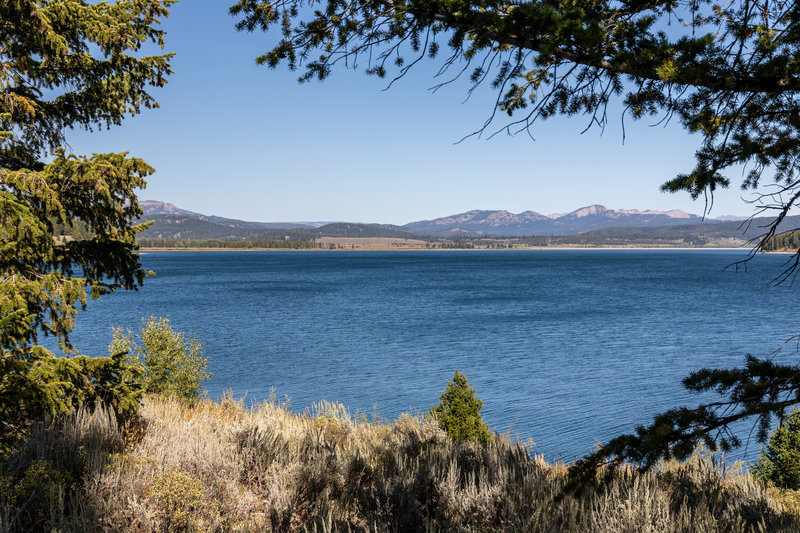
column 564, row 347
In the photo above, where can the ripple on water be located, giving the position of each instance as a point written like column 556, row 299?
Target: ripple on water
column 564, row 347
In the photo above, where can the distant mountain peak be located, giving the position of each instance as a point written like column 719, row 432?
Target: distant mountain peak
column 501, row 222
column 154, row 207
column 602, row 210
column 475, row 222
column 595, row 209
column 731, row 218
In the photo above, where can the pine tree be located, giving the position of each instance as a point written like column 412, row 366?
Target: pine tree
column 67, row 64
column 459, row 412
column 779, row 461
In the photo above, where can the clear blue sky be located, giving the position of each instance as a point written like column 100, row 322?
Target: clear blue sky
column 243, row 141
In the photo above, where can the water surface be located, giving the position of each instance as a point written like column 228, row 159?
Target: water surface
column 564, row 347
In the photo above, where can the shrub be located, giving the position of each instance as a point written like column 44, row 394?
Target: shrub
column 44, row 479
column 223, row 467
column 56, row 386
column 779, row 461
column 172, row 364
column 177, row 497
column 458, row 412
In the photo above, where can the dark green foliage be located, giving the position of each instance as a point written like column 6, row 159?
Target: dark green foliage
column 38, row 387
column 459, row 412
column 66, row 63
column 71, row 63
column 789, row 240
column 42, row 288
column 761, row 389
column 779, row 461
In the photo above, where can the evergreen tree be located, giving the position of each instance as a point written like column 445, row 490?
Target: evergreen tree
column 66, row 64
column 727, row 72
column 779, row 461
column 459, row 412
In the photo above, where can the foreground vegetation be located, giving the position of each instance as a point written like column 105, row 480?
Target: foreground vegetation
column 87, row 444
column 176, row 461
column 220, row 466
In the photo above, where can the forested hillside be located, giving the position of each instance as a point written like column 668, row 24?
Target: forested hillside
column 188, row 231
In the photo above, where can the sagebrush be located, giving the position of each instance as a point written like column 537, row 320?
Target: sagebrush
column 221, row 466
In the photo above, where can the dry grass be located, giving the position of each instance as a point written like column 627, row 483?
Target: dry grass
column 218, row 466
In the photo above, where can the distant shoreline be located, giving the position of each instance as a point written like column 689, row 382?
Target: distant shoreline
column 423, row 249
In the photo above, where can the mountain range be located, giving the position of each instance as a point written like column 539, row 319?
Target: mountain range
column 153, row 209
column 167, row 217
column 496, row 223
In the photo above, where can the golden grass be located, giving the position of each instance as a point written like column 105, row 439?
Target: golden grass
column 221, row 466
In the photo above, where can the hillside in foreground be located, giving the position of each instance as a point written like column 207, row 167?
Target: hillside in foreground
column 217, row 466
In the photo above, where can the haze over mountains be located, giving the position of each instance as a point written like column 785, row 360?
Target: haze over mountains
column 471, row 223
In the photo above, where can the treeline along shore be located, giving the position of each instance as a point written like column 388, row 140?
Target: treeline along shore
column 611, row 238
column 366, row 243
column 184, row 232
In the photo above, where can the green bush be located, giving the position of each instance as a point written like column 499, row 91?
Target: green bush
column 171, row 363
column 458, row 412
column 48, row 386
column 779, row 461
column 177, row 497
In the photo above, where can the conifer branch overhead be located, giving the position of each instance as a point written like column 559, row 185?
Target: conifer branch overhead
column 69, row 63
column 760, row 390
column 728, row 73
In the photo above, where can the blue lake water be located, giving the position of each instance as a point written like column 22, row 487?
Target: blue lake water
column 567, row 348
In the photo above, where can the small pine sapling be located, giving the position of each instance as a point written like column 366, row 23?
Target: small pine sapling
column 779, row 461
column 458, row 412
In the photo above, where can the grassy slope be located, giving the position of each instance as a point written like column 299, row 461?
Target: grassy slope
column 217, row 466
